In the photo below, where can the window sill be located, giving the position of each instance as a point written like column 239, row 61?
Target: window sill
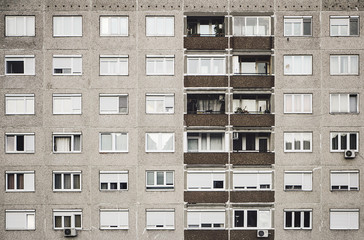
column 116, row 152
column 20, row 191
column 344, row 113
column 19, row 152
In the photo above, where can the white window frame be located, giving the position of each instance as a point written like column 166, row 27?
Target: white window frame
column 151, row 61
column 301, row 72
column 63, row 34
column 259, row 224
column 121, row 219
column 72, row 174
column 29, row 142
column 302, row 218
column 120, row 175
column 155, row 33
column 150, row 97
column 29, row 219
column 104, row 112
column 353, row 212
column 350, row 62
column 345, row 95
column 73, row 61
column 340, row 33
column 347, row 141
column 212, row 176
column 27, row 23
column 66, row 213
column 28, row 64
column 297, row 19
column 252, row 35
column 119, row 60
column 113, row 142
column 155, row 185
column 164, row 214
column 304, row 175
column 300, row 97
column 76, row 103
column 300, row 136
column 259, row 184
column 211, row 59
column 224, row 141
column 352, row 180
column 159, row 144
column 123, row 27
column 71, row 136
column 28, row 181
column 200, row 212
column 27, row 102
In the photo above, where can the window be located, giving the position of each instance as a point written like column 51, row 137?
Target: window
column 298, row 142
column 67, row 219
column 160, row 219
column 252, row 218
column 345, row 180
column 205, row 219
column 20, row 26
column 20, row 219
column 67, row 181
column 19, row 142
column 205, row 142
column 113, row 26
column 298, row 219
column 251, row 65
column 297, row 65
column 159, row 65
column 113, row 142
column 205, row 181
column 201, row 26
column 344, row 103
column 19, row 65
column 301, row 181
column 205, row 65
column 344, row 141
column 344, row 64
column 66, row 103
column 251, row 142
column 252, row 180
column 113, row 180
column 205, row 103
column 159, row 142
column 19, row 104
column 160, row 26
column 298, row 26
column 297, row 103
column 113, row 103
column 20, row 181
column 67, row 26
column 113, row 65
column 252, row 26
column 114, row 219
column 67, row 65
column 159, row 103
column 344, row 219
column 159, row 180
column 344, row 26
column 66, row 143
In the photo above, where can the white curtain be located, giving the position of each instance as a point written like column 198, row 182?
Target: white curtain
column 63, row 144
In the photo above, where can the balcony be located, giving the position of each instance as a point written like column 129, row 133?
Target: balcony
column 207, row 234
column 252, row 43
column 205, row 81
column 252, row 81
column 206, row 119
column 252, row 120
column 252, row 158
column 205, row 196
column 249, row 234
column 197, row 42
column 251, row 196
column 206, row 158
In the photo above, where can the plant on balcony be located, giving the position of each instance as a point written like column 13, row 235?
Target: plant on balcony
column 240, row 110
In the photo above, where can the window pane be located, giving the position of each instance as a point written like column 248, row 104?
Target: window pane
column 58, row 221
column 10, row 144
column 239, row 219
column 150, row 178
column 19, row 181
column 297, row 219
column 76, row 181
column 106, row 139
column 20, row 143
column 353, row 143
column 335, row 141
column 67, row 181
column 67, row 221
column 77, row 221
column 160, row 178
column 306, row 223
column 353, row 103
column 343, row 139
column 354, row 26
column 121, row 141
column 252, row 218
column 77, row 143
column 11, row 181
column 58, row 181
column 288, row 219
column 169, row 178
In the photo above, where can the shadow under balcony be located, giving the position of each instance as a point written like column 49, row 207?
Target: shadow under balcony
column 251, row 196
column 252, row 158
column 205, row 196
column 252, row 120
column 249, row 234
column 206, row 158
column 252, row 43
column 206, row 234
column 252, row 81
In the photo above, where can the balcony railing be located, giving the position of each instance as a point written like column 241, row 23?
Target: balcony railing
column 252, row 158
column 252, row 120
column 252, row 81
column 206, row 119
column 206, row 196
column 205, row 42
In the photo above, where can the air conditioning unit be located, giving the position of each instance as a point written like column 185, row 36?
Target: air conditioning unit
column 262, row 233
column 349, row 154
column 70, row 232
column 235, row 136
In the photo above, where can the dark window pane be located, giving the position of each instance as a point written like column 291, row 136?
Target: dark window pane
column 306, row 27
column 58, row 221
column 218, row 184
column 14, row 66
column 352, row 141
column 20, row 143
column 354, row 26
column 252, row 218
column 306, row 222
column 206, row 225
column 335, row 142
column 113, row 186
column 288, row 219
column 343, row 141
column 57, row 181
column 239, row 219
column 67, row 221
column 20, row 181
column 11, row 181
column 297, row 219
column 123, row 185
column 77, row 221
column 250, row 141
column 103, row 185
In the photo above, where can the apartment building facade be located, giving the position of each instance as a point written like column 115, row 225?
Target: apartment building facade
column 181, row 120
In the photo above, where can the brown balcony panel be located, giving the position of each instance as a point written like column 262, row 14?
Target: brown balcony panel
column 252, row 196
column 205, row 43
column 249, row 235
column 206, row 197
column 206, row 119
column 258, row 81
column 252, row 158
column 206, row 158
column 252, row 43
column 206, row 234
column 206, row 81
column 252, row 120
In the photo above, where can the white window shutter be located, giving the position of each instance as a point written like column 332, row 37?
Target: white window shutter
column 109, row 104
column 29, row 105
column 76, row 105
column 307, row 181
column 29, row 181
column 354, row 180
column 264, row 219
column 236, row 64
column 16, row 221
column 108, row 219
column 151, row 26
column 193, row 218
column 29, row 143
column 30, row 26
column 77, row 65
column 29, row 66
column 11, row 26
